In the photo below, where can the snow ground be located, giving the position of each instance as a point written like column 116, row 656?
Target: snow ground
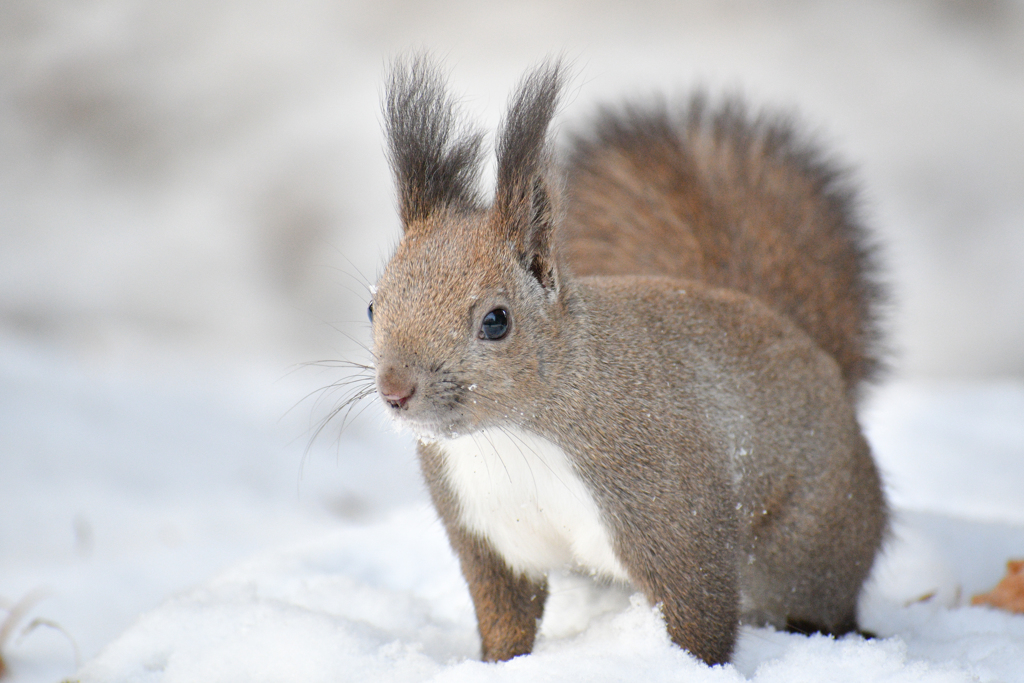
column 330, row 565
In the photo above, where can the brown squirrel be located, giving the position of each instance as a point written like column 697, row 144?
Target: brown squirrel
column 645, row 370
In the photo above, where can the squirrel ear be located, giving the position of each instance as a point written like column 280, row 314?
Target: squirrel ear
column 435, row 158
column 537, row 251
column 525, row 200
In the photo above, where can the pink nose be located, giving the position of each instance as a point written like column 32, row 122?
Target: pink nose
column 396, row 387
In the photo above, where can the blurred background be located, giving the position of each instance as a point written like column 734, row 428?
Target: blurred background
column 194, row 198
column 205, row 179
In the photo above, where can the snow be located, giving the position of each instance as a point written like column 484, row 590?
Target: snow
column 349, row 575
column 193, row 200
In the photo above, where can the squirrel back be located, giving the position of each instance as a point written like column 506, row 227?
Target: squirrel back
column 746, row 203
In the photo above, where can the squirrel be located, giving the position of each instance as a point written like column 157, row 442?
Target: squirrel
column 641, row 364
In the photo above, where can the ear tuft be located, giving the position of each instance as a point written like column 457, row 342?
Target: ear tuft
column 526, row 197
column 522, row 143
column 435, row 158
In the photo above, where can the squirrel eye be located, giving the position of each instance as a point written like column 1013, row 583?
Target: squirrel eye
column 369, row 311
column 494, row 325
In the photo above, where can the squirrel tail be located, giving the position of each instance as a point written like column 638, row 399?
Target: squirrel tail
column 734, row 200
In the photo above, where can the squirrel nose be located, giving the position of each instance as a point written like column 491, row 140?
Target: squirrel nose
column 395, row 387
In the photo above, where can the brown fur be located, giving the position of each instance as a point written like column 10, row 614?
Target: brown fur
column 717, row 439
column 733, row 200
column 508, row 607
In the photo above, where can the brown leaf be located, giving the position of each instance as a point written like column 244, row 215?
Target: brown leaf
column 1008, row 593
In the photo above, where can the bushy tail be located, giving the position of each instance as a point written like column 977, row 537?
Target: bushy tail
column 742, row 202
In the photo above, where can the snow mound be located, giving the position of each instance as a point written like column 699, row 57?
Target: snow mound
column 386, row 602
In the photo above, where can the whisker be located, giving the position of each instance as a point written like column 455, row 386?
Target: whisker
column 519, row 447
column 496, row 452
column 355, row 341
column 351, row 390
column 544, row 462
column 476, row 392
column 487, row 464
column 370, row 391
column 323, row 391
column 365, row 282
column 517, row 439
column 335, row 363
column 358, row 293
column 345, row 406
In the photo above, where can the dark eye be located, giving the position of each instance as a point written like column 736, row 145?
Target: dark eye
column 494, row 325
column 369, row 311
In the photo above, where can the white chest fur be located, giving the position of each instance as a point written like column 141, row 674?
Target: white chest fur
column 521, row 492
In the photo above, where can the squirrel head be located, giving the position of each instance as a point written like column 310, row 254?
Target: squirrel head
column 466, row 310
